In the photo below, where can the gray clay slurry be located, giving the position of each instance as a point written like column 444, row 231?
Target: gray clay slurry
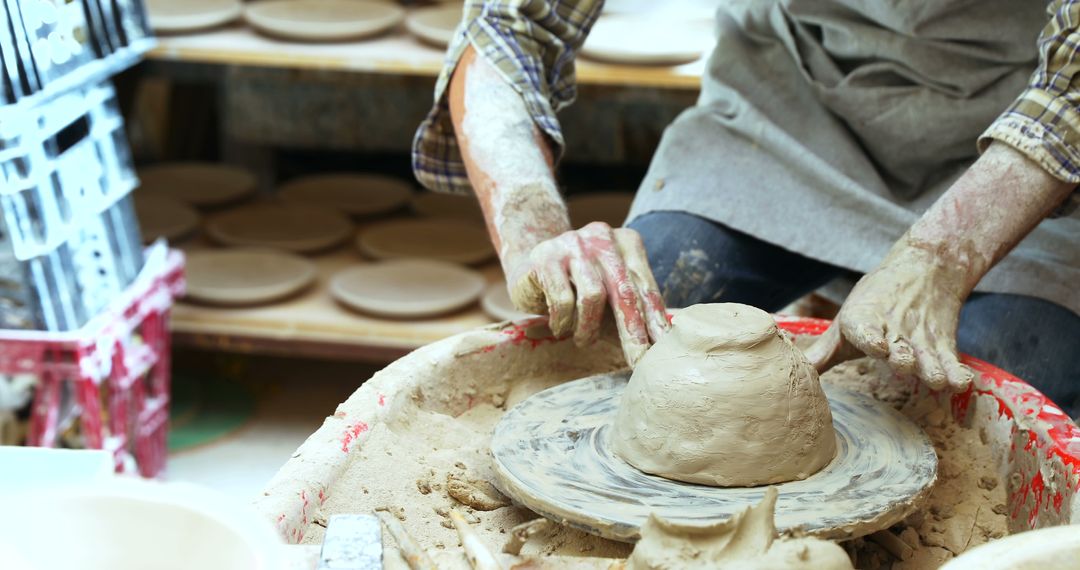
column 552, row 455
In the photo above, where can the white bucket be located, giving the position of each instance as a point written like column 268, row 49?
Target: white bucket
column 129, row 524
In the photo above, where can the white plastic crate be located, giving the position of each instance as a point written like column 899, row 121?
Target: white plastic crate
column 63, row 163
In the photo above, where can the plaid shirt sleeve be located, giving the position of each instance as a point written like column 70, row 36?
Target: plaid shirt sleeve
column 531, row 43
column 1044, row 122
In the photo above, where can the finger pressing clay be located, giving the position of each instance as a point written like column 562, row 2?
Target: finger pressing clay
column 725, row 399
column 745, row 541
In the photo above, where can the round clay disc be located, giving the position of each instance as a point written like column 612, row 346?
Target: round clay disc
column 164, row 217
column 645, row 41
column 172, row 16
column 438, row 205
column 455, row 241
column 322, row 20
column 200, row 184
column 608, row 207
column 434, row 25
column 407, row 288
column 552, row 455
column 289, row 227
column 245, row 276
column 497, row 304
column 353, row 194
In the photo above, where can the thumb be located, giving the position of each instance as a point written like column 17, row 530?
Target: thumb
column 830, row 349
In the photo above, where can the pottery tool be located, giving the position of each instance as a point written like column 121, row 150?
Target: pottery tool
column 352, row 542
column 552, row 454
column 414, row 554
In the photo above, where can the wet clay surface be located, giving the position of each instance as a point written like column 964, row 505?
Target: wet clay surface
column 426, row 461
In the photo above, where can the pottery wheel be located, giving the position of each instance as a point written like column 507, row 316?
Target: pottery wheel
column 552, row 455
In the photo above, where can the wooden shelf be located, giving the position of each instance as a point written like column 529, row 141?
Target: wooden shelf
column 396, row 53
column 313, row 325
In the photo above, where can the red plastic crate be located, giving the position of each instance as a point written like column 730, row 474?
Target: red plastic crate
column 117, row 366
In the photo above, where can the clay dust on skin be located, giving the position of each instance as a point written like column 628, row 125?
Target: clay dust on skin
column 503, row 144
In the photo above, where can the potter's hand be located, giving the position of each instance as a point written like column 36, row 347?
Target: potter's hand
column 571, row 275
column 576, row 275
column 907, row 310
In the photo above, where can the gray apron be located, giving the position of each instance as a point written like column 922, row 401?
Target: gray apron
column 827, row 127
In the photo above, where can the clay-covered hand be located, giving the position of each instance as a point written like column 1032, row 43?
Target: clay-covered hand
column 573, row 278
column 906, row 312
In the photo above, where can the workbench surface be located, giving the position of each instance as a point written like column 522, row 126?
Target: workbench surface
column 396, row 53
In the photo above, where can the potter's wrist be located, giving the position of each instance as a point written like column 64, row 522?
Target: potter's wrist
column 952, row 263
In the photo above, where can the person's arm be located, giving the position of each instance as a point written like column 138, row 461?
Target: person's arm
column 907, row 309
column 571, row 275
column 493, row 132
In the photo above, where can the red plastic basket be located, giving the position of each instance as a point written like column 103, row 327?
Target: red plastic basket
column 117, row 367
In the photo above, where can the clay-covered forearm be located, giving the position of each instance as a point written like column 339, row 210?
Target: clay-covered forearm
column 986, row 212
column 508, row 161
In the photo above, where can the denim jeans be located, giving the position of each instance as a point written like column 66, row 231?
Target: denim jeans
column 696, row 260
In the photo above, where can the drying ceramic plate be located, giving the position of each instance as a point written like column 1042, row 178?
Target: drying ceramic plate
column 322, row 20
column 164, row 217
column 497, row 304
column 456, row 241
column 199, row 184
column 289, row 227
column 245, row 277
column 354, row 194
column 407, row 287
column 176, row 16
column 646, row 41
column 435, row 25
column 438, row 205
column 608, row 207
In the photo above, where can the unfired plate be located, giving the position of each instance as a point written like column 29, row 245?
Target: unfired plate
column 497, row 304
column 645, row 41
column 608, row 207
column 561, row 465
column 289, row 227
column 407, row 288
column 434, row 25
column 200, row 184
column 353, row 194
column 176, row 16
column 438, row 205
column 245, row 276
column 322, row 20
column 455, row 241
column 164, row 217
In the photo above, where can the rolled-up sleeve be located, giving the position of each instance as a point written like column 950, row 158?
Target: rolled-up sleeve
column 532, row 44
column 1044, row 122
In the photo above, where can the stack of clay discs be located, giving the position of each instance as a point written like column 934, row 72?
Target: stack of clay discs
column 349, row 193
column 407, row 288
column 164, row 217
column 438, row 205
column 291, row 227
column 497, row 304
column 322, row 20
column 436, row 24
column 246, row 276
column 180, row 16
column 642, row 40
column 455, row 241
column 201, row 185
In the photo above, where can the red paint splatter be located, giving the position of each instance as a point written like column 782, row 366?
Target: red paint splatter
column 351, row 434
column 322, row 495
column 281, row 517
column 1037, row 488
column 382, row 399
column 1058, row 500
